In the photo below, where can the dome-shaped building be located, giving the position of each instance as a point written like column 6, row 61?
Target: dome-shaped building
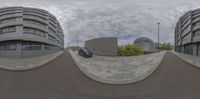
column 29, row 32
column 146, row 44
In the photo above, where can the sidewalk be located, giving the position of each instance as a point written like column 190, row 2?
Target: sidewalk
column 191, row 59
column 27, row 63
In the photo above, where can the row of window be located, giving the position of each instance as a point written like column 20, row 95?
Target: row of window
column 196, row 33
column 190, row 49
column 8, row 14
column 37, row 46
column 34, row 31
column 7, row 10
column 34, row 12
column 52, row 38
column 31, row 46
column 10, row 45
column 54, row 32
column 143, row 41
column 28, row 31
column 194, row 14
column 198, row 49
column 7, row 20
column 34, row 16
column 34, row 22
column 39, row 33
column 26, row 45
column 7, row 29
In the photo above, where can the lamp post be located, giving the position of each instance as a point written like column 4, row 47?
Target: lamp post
column 158, row 34
column 77, row 41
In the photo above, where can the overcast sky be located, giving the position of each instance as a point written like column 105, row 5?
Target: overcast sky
column 125, row 19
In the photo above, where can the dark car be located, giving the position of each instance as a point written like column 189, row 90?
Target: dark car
column 84, row 53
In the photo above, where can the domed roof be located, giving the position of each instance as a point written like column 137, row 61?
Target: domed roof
column 143, row 39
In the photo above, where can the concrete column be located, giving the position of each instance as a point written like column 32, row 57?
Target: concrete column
column 42, row 47
column 19, row 28
column 194, row 49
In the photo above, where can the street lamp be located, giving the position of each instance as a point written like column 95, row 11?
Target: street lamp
column 158, row 35
column 77, row 40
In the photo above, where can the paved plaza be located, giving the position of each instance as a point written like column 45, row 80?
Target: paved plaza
column 118, row 70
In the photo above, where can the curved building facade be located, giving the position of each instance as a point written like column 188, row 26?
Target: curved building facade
column 187, row 33
column 145, row 44
column 106, row 46
column 29, row 32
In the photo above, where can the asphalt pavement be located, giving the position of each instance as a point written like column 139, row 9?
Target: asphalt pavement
column 62, row 79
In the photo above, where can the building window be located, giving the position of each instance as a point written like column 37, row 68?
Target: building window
column 46, row 47
column 26, row 45
column 146, row 41
column 1, row 46
column 7, row 20
column 51, row 47
column 35, row 46
column 34, row 31
column 52, row 31
column 10, row 45
column 34, row 22
column 197, row 33
column 31, row 46
column 52, row 38
column 198, row 49
column 34, row 16
column 8, row 29
column 188, row 49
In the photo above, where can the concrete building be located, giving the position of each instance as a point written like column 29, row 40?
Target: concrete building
column 29, row 32
column 187, row 33
column 106, row 46
column 146, row 44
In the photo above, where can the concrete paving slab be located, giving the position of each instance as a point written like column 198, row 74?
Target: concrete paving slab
column 27, row 63
column 118, row 70
column 191, row 59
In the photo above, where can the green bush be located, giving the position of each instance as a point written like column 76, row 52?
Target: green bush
column 129, row 50
column 166, row 46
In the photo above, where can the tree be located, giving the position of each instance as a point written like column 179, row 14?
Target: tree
column 129, row 50
column 166, row 46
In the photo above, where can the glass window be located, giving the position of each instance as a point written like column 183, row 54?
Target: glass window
column 34, row 22
column 1, row 46
column 34, row 16
column 197, row 33
column 31, row 46
column 46, row 47
column 10, row 45
column 51, row 47
column 26, row 45
column 198, row 49
column 34, row 31
column 35, row 46
column 8, row 29
column 7, row 20
column 52, row 38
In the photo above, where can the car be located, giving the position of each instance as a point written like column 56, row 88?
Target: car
column 84, row 52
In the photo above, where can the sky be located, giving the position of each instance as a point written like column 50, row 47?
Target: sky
column 124, row 19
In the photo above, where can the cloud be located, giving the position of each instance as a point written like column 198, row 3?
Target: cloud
column 125, row 19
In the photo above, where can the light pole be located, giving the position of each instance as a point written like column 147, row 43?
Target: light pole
column 77, row 40
column 158, row 34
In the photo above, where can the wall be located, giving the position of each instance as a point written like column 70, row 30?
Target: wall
column 103, row 46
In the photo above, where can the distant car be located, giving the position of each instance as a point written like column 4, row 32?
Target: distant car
column 84, row 52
